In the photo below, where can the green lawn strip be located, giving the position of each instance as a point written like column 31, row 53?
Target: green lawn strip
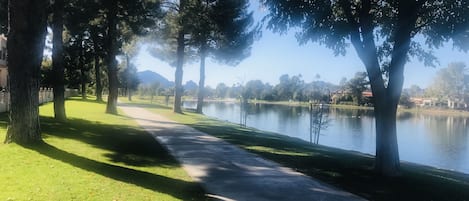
column 93, row 156
column 348, row 170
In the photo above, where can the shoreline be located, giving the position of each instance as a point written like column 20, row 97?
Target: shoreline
column 415, row 110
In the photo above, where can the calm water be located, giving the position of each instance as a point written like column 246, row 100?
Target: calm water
column 437, row 141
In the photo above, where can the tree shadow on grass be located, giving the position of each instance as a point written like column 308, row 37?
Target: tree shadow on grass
column 128, row 145
column 145, row 105
column 89, row 99
column 177, row 188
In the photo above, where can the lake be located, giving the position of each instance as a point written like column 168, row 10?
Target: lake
column 439, row 141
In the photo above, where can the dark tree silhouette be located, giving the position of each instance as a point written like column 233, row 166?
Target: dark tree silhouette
column 3, row 16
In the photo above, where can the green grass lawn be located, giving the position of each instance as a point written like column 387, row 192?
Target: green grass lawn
column 348, row 170
column 93, row 156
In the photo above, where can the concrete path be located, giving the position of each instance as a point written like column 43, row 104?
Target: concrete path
column 228, row 172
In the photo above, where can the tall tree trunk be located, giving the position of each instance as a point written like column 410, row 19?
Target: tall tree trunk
column 128, row 88
column 83, row 82
column 178, row 74
column 99, row 85
column 111, row 106
column 129, row 92
column 387, row 151
column 57, row 61
column 201, row 92
column 180, row 61
column 81, row 64
column 27, row 22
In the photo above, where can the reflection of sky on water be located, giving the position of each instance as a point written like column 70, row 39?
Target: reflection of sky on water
column 432, row 140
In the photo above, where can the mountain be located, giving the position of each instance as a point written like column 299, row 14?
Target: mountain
column 149, row 77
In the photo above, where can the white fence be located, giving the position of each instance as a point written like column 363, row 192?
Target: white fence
column 45, row 95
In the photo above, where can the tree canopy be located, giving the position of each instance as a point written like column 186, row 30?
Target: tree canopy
column 357, row 85
column 451, row 82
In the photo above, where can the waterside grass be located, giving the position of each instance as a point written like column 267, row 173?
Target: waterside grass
column 92, row 156
column 348, row 170
column 433, row 111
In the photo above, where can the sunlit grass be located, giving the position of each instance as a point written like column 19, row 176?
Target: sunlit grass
column 93, row 156
column 348, row 170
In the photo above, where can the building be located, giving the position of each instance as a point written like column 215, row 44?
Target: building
column 454, row 103
column 424, row 102
column 3, row 63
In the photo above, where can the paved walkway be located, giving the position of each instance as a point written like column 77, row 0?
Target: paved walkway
column 228, row 172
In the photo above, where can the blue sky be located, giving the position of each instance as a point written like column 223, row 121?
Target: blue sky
column 274, row 55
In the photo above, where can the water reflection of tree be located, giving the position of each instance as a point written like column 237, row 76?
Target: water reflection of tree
column 219, row 106
column 449, row 135
column 352, row 112
column 319, row 120
column 243, row 112
column 247, row 109
column 288, row 112
column 401, row 116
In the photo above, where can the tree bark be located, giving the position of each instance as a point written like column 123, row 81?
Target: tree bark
column 99, row 85
column 180, row 62
column 387, row 151
column 83, row 82
column 201, row 92
column 111, row 106
column 128, row 77
column 57, row 61
column 27, row 22
column 81, row 64
column 129, row 92
column 179, row 73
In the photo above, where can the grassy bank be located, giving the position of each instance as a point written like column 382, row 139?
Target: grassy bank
column 93, row 156
column 436, row 112
column 415, row 110
column 348, row 170
column 307, row 104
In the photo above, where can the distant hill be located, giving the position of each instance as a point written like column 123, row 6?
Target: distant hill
column 190, row 86
column 149, row 77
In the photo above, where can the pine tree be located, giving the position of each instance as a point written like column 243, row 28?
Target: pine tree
column 26, row 36
column 57, row 60
column 222, row 30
